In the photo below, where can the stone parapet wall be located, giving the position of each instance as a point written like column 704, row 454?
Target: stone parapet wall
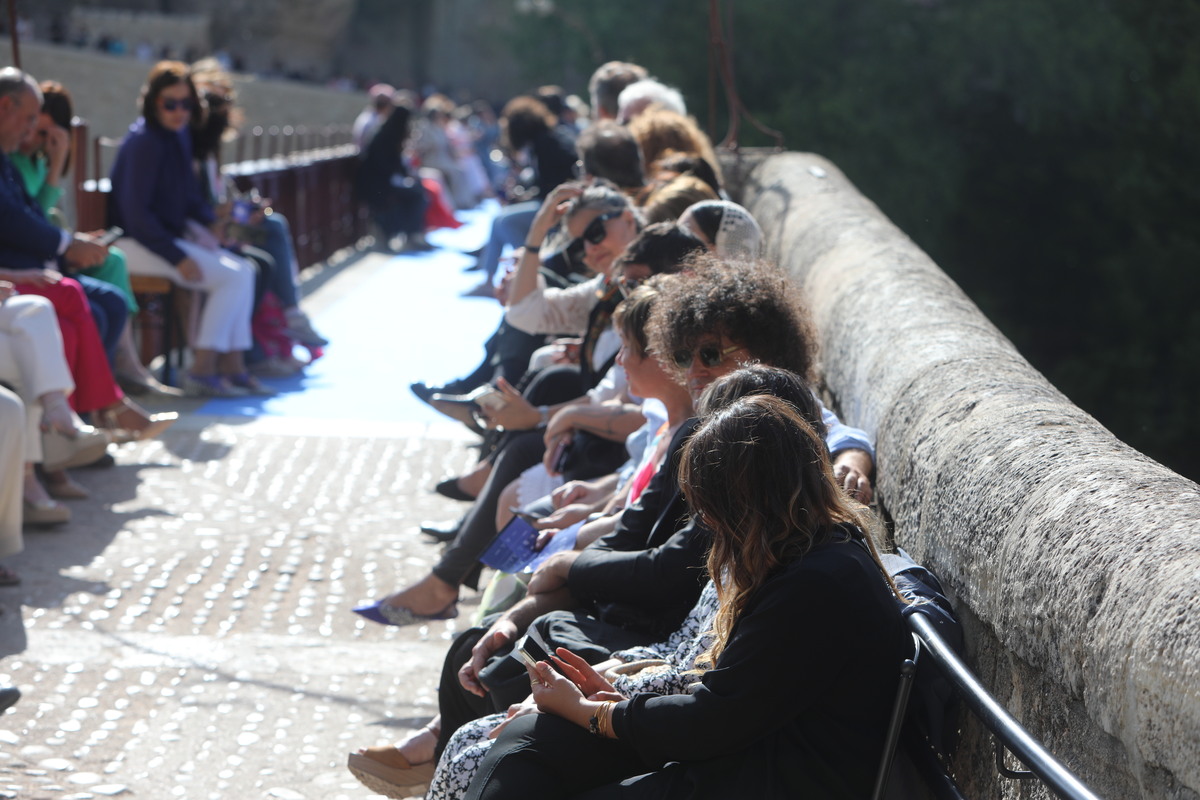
column 1074, row 559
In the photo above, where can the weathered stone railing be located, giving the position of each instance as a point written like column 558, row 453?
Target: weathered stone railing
column 1074, row 559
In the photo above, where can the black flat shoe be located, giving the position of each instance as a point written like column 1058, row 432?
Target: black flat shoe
column 449, row 488
column 422, row 391
column 9, row 695
column 444, row 531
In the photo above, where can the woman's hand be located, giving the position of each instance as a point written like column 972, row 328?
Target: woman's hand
column 525, row 707
column 554, row 446
column 553, row 207
column 58, row 146
column 517, row 414
column 583, row 674
column 567, row 516
column 852, row 470
column 189, row 270
column 575, row 492
column 7, row 290
column 544, row 538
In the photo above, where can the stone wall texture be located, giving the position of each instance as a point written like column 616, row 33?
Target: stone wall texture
column 1074, row 559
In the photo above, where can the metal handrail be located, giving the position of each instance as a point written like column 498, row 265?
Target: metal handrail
column 995, row 718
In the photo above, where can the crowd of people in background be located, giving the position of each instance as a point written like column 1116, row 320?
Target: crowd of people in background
column 660, row 494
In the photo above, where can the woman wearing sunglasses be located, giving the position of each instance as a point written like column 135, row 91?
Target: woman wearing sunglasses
column 724, row 313
column 157, row 200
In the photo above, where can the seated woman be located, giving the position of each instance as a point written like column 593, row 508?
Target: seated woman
column 527, row 125
column 43, row 159
column 395, row 197
column 157, row 200
column 775, row 715
column 32, row 363
column 269, row 230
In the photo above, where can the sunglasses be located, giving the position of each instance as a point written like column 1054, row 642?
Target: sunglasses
column 171, row 104
column 710, row 355
column 595, row 232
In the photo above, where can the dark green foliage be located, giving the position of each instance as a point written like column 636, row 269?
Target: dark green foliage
column 1046, row 153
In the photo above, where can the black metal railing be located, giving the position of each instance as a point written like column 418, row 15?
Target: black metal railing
column 1009, row 733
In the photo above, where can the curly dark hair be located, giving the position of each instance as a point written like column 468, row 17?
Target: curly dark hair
column 752, row 304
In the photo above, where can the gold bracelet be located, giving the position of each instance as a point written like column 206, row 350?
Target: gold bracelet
column 606, row 719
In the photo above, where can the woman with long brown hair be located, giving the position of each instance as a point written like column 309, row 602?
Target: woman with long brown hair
column 806, row 641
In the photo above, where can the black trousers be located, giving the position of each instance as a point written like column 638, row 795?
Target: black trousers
column 517, row 452
column 549, row 758
column 505, row 677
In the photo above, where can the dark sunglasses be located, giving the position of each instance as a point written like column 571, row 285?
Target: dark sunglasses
column 171, row 104
column 595, row 232
column 710, row 355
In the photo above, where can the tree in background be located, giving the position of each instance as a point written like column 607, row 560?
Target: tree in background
column 1043, row 152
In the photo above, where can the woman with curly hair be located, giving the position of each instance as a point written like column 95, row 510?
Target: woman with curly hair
column 776, row 714
column 717, row 313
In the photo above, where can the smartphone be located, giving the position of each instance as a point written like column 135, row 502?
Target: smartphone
column 491, row 399
column 532, row 648
column 110, row 236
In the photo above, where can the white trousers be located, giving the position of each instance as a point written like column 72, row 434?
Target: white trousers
column 32, row 360
column 12, row 471
column 228, row 283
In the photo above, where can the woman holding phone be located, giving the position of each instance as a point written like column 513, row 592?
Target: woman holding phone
column 795, row 694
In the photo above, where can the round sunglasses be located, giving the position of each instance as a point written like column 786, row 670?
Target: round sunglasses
column 710, row 355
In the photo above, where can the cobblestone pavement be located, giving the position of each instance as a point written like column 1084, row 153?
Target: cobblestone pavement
column 190, row 635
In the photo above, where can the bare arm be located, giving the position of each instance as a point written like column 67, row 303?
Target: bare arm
column 525, row 278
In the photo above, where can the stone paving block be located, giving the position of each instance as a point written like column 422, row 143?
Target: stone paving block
column 191, row 637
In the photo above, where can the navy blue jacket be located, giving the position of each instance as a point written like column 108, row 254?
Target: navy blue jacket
column 27, row 240
column 155, row 190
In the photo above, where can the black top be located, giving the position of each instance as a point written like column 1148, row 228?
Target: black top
column 647, row 574
column 798, row 703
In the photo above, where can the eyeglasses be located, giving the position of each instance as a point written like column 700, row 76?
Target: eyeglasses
column 171, row 104
column 595, row 232
column 710, row 355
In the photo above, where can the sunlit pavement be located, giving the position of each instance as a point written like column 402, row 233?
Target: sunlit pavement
column 189, row 634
